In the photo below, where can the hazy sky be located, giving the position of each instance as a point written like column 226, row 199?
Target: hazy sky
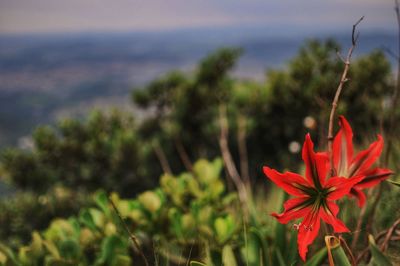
column 19, row 16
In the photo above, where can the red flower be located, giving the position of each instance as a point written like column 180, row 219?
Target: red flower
column 314, row 196
column 348, row 167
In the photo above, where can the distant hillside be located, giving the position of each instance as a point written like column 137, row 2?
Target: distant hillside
column 45, row 77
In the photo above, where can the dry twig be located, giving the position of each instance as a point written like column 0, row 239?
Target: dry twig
column 348, row 250
column 227, row 157
column 359, row 222
column 162, row 158
column 183, row 154
column 388, row 237
column 244, row 161
column 389, row 234
column 131, row 236
column 367, row 249
column 343, row 80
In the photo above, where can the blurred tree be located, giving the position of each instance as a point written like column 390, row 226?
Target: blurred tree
column 185, row 109
column 298, row 99
column 25, row 212
column 198, row 104
column 267, row 122
column 103, row 152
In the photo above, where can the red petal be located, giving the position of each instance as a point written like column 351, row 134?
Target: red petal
column 314, row 164
column 364, row 160
column 343, row 147
column 340, row 186
column 328, row 214
column 306, row 236
column 286, row 181
column 359, row 195
column 294, row 209
column 374, row 177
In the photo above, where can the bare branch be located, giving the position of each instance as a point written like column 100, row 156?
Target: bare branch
column 389, row 234
column 339, row 55
column 367, row 249
column 348, row 250
column 183, row 154
column 162, row 158
column 131, row 236
column 227, row 158
column 355, row 38
column 360, row 222
column 244, row 161
column 343, row 80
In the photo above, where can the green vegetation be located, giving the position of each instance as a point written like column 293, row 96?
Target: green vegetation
column 102, row 152
column 190, row 216
column 196, row 215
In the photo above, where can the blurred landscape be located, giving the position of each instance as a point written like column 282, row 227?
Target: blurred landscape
column 45, row 77
column 171, row 133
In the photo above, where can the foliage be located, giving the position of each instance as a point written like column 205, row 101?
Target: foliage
column 102, row 152
column 25, row 212
column 194, row 215
column 113, row 152
column 188, row 216
column 184, row 211
column 188, row 106
column 304, row 91
column 187, row 109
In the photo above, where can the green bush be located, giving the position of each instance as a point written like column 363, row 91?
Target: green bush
column 189, row 217
column 24, row 212
column 101, row 152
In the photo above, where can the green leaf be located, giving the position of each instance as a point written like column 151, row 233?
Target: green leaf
column 70, row 249
column 291, row 253
column 3, row 258
column 24, row 255
column 279, row 256
column 215, row 257
column 264, row 253
column 378, row 258
column 318, row 258
column 36, row 244
column 122, row 260
column 206, row 171
column 228, row 257
column 197, row 263
column 339, row 257
column 102, row 202
column 9, row 254
column 86, row 218
column 98, row 217
column 175, row 219
column 52, row 249
column 280, row 233
column 251, row 251
column 110, row 247
column 217, row 166
column 150, row 201
column 393, row 182
column 224, row 228
column 216, row 188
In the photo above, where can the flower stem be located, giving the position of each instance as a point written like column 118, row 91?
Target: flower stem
column 335, row 101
